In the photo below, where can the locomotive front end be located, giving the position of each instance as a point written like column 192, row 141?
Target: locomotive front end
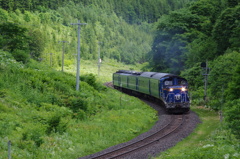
column 175, row 95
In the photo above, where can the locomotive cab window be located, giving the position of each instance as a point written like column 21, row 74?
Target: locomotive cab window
column 168, row 83
column 182, row 82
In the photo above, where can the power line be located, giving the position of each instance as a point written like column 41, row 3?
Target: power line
column 78, row 55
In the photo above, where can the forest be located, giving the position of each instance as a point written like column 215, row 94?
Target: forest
column 118, row 40
column 135, row 11
column 174, row 36
column 205, row 31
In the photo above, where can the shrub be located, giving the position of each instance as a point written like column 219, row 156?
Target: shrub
column 34, row 132
column 80, row 114
column 55, row 125
column 76, row 103
column 52, row 116
column 91, row 80
column 233, row 117
column 197, row 96
column 3, row 93
column 21, row 55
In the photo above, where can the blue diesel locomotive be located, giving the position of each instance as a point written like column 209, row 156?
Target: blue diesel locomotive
column 170, row 89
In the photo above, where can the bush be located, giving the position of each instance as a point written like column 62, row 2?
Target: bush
column 233, row 117
column 76, row 103
column 34, row 132
column 194, row 76
column 80, row 114
column 197, row 96
column 21, row 56
column 91, row 80
column 55, row 125
column 52, row 116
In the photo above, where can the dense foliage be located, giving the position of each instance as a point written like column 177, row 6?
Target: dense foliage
column 194, row 34
column 206, row 30
column 135, row 11
column 48, row 22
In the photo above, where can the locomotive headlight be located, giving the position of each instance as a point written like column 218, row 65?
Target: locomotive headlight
column 183, row 89
column 171, row 89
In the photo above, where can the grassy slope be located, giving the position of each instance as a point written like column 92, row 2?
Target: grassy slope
column 39, row 113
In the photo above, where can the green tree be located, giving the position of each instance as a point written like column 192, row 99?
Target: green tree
column 226, row 28
column 14, row 35
column 21, row 55
column 36, row 43
column 194, row 76
column 232, row 117
column 233, row 3
column 169, row 46
column 234, row 85
column 232, row 107
column 221, row 74
column 3, row 15
column 201, row 48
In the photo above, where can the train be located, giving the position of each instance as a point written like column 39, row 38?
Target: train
column 167, row 89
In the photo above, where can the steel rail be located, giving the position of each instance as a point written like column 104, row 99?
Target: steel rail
column 172, row 126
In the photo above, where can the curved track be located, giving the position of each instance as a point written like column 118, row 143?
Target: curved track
column 175, row 123
column 167, row 131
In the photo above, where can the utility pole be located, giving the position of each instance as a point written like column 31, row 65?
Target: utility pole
column 63, row 53
column 9, row 149
column 78, row 55
column 99, row 58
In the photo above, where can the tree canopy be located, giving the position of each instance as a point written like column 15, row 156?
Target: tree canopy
column 202, row 31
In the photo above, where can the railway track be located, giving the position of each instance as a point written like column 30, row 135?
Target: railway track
column 174, row 124
column 166, row 132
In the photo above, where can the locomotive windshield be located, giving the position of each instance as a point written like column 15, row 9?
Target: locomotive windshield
column 168, row 82
column 182, row 82
column 175, row 81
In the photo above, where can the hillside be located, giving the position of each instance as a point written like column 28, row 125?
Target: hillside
column 42, row 24
column 43, row 115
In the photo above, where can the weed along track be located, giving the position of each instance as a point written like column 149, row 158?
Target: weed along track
column 175, row 122
column 167, row 131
